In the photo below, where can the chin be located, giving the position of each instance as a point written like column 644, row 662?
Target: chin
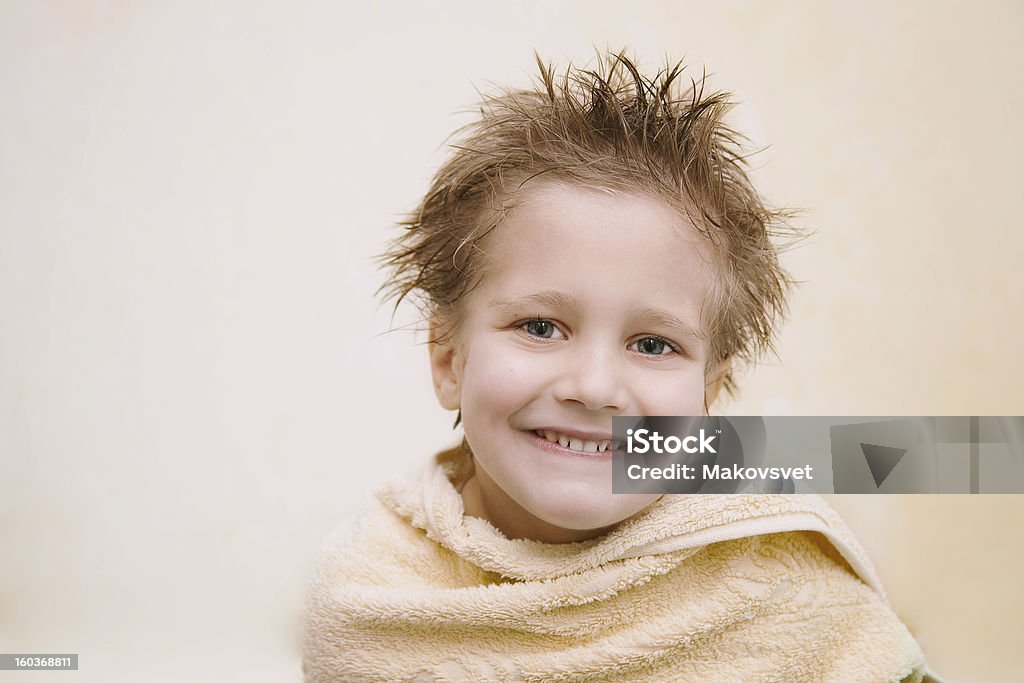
column 584, row 513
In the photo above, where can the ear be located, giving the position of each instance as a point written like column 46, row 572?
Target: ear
column 714, row 380
column 446, row 369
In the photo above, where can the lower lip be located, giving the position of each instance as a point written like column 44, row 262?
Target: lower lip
column 558, row 449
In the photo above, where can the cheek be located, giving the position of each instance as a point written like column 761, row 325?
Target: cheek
column 674, row 395
column 497, row 381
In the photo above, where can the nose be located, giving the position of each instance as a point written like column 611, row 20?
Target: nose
column 593, row 377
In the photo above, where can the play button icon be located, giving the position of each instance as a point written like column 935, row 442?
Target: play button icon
column 881, row 460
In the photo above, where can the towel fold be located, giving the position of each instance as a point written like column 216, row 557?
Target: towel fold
column 696, row 588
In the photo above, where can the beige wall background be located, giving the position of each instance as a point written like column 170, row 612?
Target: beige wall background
column 196, row 382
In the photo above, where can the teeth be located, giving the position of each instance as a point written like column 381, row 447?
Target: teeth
column 577, row 444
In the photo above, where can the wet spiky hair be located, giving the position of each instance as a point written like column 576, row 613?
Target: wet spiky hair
column 613, row 128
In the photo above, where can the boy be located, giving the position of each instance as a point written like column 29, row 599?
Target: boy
column 592, row 248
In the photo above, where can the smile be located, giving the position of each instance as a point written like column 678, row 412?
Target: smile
column 577, row 444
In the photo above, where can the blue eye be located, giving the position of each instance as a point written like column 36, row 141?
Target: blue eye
column 654, row 346
column 544, row 329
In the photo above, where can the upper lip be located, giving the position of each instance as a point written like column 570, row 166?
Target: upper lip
column 581, row 434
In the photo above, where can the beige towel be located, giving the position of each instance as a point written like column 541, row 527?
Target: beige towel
column 697, row 588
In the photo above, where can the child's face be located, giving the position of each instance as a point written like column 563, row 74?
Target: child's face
column 589, row 308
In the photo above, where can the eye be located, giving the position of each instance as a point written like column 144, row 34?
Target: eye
column 540, row 328
column 654, row 346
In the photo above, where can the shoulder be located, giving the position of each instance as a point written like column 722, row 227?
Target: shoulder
column 813, row 602
column 799, row 571
column 363, row 544
column 379, row 548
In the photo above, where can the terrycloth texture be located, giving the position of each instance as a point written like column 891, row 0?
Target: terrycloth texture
column 697, row 588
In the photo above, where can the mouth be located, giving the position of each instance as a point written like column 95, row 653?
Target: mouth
column 575, row 445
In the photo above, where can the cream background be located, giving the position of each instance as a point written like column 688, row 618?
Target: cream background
column 194, row 380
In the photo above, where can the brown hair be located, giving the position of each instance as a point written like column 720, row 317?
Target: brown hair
column 615, row 128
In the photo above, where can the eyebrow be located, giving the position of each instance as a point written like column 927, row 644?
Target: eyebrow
column 562, row 301
column 551, row 298
column 666, row 319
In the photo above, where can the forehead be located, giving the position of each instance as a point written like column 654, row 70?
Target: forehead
column 626, row 248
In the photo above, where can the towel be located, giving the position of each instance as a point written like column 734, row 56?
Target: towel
column 695, row 588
